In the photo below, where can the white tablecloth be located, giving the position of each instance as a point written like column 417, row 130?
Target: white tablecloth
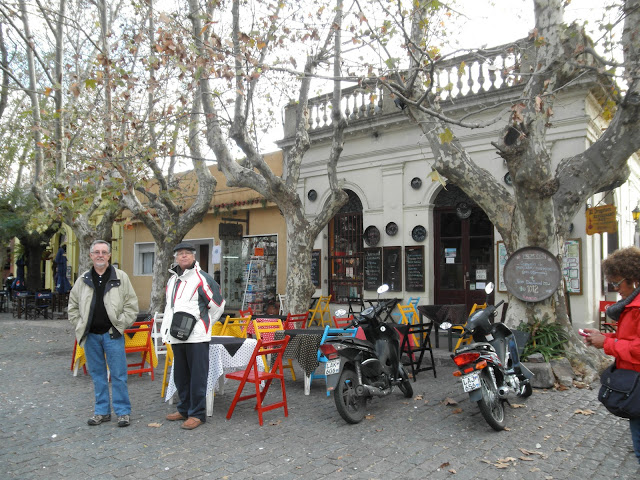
column 221, row 362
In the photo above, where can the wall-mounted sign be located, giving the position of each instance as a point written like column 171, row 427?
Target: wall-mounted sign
column 315, row 267
column 601, row 219
column 572, row 265
column 532, row 274
column 230, row 231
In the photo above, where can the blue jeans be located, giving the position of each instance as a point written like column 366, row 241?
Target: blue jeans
column 95, row 349
column 634, row 425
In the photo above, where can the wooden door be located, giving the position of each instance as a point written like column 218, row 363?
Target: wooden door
column 463, row 259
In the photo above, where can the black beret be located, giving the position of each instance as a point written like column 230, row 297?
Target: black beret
column 184, row 246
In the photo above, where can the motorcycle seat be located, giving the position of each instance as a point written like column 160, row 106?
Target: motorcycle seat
column 352, row 340
column 475, row 346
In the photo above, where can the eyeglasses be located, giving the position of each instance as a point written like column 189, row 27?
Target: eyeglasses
column 616, row 285
column 100, row 254
column 184, row 253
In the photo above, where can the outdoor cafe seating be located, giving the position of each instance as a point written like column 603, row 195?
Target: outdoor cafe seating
column 416, row 340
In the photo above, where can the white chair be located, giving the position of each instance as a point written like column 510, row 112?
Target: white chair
column 156, row 335
column 283, row 308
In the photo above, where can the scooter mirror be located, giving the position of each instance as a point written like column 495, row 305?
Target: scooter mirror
column 489, row 288
column 340, row 313
column 383, row 288
column 445, row 325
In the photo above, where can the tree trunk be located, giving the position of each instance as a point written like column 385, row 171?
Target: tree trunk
column 162, row 261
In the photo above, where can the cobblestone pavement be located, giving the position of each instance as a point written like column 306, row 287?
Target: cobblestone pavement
column 44, row 434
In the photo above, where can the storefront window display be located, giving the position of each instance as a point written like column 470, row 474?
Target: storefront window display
column 249, row 271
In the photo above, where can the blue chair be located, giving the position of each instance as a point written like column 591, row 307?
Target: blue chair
column 411, row 320
column 328, row 332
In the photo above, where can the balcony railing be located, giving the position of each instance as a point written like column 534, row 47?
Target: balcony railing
column 455, row 79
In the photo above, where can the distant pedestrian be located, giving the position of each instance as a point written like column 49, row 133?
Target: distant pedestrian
column 194, row 303
column 102, row 304
column 622, row 270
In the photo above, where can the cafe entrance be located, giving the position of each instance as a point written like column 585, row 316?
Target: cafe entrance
column 463, row 249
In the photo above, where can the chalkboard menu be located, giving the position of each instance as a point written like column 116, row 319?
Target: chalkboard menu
column 392, row 271
column 532, row 274
column 414, row 268
column 315, row 267
column 372, row 268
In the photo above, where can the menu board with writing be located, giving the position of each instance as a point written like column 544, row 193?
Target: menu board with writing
column 572, row 265
column 315, row 267
column 392, row 268
column 532, row 274
column 372, row 268
column 414, row 268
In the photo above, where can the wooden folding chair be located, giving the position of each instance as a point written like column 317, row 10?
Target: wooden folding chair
column 253, row 375
column 409, row 316
column 78, row 359
column 167, row 365
column 246, row 313
column 156, row 334
column 235, row 326
column 282, row 300
column 459, row 329
column 342, row 322
column 412, row 301
column 137, row 339
column 328, row 332
column 603, row 324
column 293, row 319
column 265, row 329
column 317, row 312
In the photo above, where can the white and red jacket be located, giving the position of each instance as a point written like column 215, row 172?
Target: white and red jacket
column 192, row 291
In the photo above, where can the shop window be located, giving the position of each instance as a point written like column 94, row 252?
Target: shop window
column 346, row 251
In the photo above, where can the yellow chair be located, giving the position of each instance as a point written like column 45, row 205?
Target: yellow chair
column 460, row 328
column 265, row 329
column 409, row 316
column 167, row 363
column 318, row 311
column 234, row 327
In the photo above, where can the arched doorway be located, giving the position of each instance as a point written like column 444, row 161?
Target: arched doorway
column 463, row 249
column 346, row 251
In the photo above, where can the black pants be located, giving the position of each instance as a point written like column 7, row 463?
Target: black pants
column 190, row 372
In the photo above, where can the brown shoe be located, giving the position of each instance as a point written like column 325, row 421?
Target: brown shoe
column 191, row 423
column 172, row 417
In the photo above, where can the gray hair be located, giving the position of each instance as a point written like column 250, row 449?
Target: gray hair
column 95, row 242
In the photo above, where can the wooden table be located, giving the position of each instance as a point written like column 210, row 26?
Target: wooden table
column 456, row 314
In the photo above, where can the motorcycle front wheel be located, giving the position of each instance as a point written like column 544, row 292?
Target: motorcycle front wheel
column 405, row 385
column 491, row 406
column 351, row 407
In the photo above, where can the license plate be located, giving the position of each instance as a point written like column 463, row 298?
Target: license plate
column 471, row 382
column 332, row 367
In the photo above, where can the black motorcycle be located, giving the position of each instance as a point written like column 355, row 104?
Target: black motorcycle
column 489, row 367
column 358, row 370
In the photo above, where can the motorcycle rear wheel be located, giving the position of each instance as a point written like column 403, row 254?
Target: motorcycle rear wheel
column 351, row 407
column 491, row 406
column 405, row 385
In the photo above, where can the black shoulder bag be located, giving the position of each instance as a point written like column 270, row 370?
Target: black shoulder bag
column 620, row 391
column 182, row 323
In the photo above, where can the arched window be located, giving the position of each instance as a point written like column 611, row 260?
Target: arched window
column 346, row 251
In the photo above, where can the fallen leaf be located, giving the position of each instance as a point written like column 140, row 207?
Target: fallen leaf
column 560, row 449
column 529, row 452
column 445, row 464
column 370, row 417
column 526, row 459
column 535, row 469
column 517, row 405
column 418, row 397
column 154, row 425
column 561, row 388
column 275, row 422
column 507, row 429
column 450, row 401
column 580, row 384
column 456, row 411
column 451, row 470
column 507, row 459
column 586, row 411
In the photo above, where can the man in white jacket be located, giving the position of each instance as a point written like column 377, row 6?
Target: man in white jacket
column 194, row 304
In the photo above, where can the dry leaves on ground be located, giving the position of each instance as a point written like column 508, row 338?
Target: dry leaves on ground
column 502, row 462
column 517, row 405
column 449, row 401
column 586, row 411
column 370, row 416
column 529, row 452
column 154, row 425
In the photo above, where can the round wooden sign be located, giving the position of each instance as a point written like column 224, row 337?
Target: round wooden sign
column 532, row 274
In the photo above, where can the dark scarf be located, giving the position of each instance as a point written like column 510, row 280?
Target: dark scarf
column 614, row 311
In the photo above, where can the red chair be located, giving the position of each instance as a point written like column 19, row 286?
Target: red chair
column 137, row 339
column 253, row 375
column 604, row 325
column 246, row 313
column 296, row 318
column 342, row 322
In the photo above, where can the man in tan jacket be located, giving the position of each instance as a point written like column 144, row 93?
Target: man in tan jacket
column 102, row 304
